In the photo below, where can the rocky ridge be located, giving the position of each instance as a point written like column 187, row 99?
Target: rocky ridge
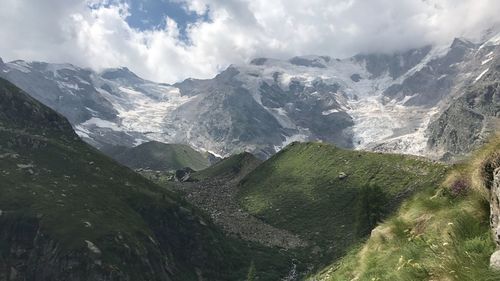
column 408, row 102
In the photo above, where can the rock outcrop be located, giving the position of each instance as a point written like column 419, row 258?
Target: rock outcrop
column 494, row 185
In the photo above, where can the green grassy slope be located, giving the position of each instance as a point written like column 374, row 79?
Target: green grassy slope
column 160, row 156
column 302, row 189
column 442, row 233
column 232, row 166
column 60, row 197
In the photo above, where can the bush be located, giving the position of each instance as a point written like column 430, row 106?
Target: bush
column 460, row 187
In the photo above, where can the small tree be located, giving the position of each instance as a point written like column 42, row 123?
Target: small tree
column 460, row 187
column 370, row 208
column 251, row 272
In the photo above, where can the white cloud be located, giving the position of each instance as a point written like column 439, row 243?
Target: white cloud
column 69, row 31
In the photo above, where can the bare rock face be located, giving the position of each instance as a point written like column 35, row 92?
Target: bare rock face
column 495, row 205
column 494, row 217
column 495, row 260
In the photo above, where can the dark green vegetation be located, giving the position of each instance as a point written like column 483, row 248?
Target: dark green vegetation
column 433, row 237
column 159, row 156
column 332, row 197
column 69, row 213
column 441, row 233
column 233, row 166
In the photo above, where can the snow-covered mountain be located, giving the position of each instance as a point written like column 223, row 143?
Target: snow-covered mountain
column 399, row 102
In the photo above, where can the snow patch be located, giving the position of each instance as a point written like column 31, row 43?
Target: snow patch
column 20, row 66
column 481, row 75
column 328, row 112
column 486, row 61
column 82, row 132
column 98, row 122
column 289, row 139
column 66, row 86
column 391, row 125
column 493, row 41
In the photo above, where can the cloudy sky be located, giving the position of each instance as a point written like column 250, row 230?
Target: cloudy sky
column 170, row 40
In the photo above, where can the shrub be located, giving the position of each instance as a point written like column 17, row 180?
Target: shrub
column 460, row 187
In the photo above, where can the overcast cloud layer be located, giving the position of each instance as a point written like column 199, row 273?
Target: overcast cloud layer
column 70, row 31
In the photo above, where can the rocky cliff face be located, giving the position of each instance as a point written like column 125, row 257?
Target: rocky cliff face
column 495, row 216
column 490, row 174
column 473, row 114
column 28, row 253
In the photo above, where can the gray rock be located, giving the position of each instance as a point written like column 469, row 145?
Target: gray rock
column 93, row 248
column 495, row 214
column 471, row 118
column 495, row 260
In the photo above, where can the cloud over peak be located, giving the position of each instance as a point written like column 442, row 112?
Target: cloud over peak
column 96, row 33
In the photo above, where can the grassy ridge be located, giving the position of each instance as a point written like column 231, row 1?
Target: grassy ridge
column 232, row 166
column 442, row 233
column 330, row 196
column 159, row 156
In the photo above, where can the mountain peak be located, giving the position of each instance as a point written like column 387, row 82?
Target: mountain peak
column 318, row 62
column 462, row 42
column 258, row 61
column 119, row 73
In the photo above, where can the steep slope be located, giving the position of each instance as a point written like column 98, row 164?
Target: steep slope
column 69, row 213
column 215, row 192
column 235, row 166
column 471, row 118
column 442, row 233
column 159, row 156
column 331, row 197
column 110, row 107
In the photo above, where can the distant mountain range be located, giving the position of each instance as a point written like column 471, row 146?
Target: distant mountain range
column 437, row 101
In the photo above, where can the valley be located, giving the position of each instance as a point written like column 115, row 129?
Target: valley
column 380, row 165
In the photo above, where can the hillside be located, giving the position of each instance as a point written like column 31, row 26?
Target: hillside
column 159, row 156
column 330, row 197
column 442, row 233
column 235, row 166
column 312, row 200
column 215, row 190
column 69, row 213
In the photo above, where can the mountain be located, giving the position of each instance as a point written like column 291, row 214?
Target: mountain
column 381, row 102
column 472, row 117
column 158, row 156
column 67, row 212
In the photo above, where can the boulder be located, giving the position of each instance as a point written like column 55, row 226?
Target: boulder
column 495, row 260
column 183, row 175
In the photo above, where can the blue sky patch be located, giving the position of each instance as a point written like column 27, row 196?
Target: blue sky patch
column 151, row 14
